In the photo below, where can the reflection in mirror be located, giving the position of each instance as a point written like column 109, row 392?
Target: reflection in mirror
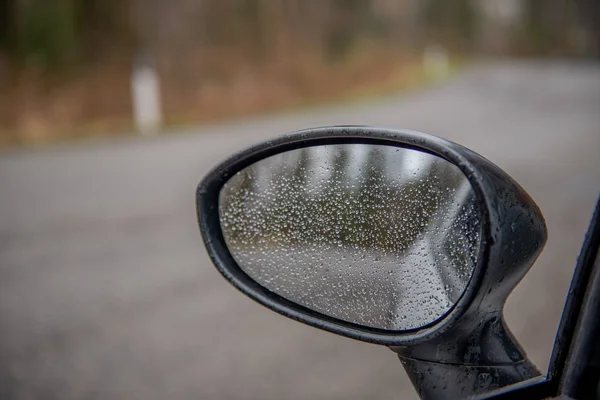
column 380, row 236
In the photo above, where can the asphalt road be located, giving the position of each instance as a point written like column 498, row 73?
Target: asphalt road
column 106, row 291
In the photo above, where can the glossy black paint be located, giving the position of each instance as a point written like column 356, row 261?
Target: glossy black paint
column 580, row 375
column 581, row 317
column 472, row 336
column 574, row 370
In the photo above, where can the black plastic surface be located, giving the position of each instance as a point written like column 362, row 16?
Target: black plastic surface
column 471, row 336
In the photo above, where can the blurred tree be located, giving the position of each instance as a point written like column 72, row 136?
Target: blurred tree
column 59, row 33
column 46, row 33
column 106, row 27
column 7, row 29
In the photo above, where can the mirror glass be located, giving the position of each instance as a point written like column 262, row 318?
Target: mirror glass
column 380, row 236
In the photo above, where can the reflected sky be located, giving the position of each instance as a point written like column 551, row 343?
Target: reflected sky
column 376, row 235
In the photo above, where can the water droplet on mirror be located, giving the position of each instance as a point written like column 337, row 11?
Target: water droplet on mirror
column 349, row 231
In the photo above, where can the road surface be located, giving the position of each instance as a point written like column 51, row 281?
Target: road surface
column 106, row 291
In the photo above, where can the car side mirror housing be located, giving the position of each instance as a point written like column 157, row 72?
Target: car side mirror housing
column 392, row 237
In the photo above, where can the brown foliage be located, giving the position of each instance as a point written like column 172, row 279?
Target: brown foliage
column 65, row 65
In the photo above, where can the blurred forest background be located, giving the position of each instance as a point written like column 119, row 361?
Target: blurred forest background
column 66, row 65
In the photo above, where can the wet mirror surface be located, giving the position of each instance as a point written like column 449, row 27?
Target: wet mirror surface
column 381, row 236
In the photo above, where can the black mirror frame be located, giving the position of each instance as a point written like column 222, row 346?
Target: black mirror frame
column 511, row 223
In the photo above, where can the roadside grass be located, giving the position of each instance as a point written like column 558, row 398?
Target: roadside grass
column 361, row 80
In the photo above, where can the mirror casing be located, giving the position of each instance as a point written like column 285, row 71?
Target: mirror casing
column 512, row 229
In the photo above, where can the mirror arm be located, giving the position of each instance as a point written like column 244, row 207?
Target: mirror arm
column 459, row 364
column 434, row 380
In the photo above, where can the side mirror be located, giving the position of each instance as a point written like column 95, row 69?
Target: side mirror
column 391, row 237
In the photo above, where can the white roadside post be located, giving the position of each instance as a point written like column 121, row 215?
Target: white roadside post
column 145, row 89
